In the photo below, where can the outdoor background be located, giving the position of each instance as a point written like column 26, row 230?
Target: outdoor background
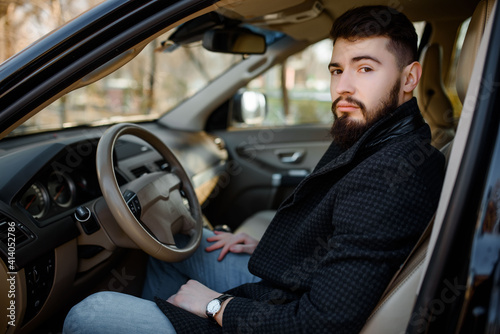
column 297, row 90
column 24, row 21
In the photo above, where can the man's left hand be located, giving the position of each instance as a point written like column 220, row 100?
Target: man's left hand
column 193, row 297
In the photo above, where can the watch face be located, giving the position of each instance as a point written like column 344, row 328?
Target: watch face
column 213, row 307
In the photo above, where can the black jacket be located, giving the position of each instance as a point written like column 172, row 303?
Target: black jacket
column 334, row 245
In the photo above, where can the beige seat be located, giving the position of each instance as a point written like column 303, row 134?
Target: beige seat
column 471, row 45
column 433, row 100
column 256, row 225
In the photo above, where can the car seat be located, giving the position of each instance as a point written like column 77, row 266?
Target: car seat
column 433, row 101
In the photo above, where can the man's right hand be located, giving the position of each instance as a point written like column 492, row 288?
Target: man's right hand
column 234, row 243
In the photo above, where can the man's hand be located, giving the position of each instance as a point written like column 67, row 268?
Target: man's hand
column 234, row 243
column 193, row 297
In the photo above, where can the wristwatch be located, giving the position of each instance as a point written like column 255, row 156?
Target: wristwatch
column 214, row 306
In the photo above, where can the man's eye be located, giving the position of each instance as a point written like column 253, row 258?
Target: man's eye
column 336, row 72
column 365, row 69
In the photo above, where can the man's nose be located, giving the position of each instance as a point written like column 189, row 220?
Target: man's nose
column 345, row 84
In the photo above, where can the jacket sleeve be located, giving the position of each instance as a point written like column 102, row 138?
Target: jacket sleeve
column 378, row 216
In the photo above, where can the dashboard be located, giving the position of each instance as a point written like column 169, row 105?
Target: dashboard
column 45, row 178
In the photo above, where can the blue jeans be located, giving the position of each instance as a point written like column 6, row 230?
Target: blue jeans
column 113, row 312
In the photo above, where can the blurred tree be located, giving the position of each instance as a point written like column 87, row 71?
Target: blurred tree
column 24, row 21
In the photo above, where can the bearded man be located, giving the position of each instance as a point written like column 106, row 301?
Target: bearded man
column 334, row 244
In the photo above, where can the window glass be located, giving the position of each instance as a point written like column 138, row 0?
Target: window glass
column 297, row 90
column 450, row 84
column 145, row 88
column 419, row 29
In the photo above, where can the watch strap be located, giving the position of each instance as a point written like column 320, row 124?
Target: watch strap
column 223, row 297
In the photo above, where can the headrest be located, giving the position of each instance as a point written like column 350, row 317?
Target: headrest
column 434, row 103
column 471, row 46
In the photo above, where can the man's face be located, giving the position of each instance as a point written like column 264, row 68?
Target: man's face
column 365, row 86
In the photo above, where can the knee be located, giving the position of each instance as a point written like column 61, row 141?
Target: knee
column 86, row 312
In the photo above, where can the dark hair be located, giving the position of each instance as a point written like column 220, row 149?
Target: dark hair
column 374, row 21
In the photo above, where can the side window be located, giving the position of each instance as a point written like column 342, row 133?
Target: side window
column 451, row 81
column 297, row 91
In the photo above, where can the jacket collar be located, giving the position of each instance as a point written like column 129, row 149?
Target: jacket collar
column 403, row 120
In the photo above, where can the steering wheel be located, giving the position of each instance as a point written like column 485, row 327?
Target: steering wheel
column 152, row 208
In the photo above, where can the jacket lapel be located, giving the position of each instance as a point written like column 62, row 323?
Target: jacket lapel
column 404, row 119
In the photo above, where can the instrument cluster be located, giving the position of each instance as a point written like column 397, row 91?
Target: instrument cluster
column 67, row 180
column 58, row 191
column 55, row 190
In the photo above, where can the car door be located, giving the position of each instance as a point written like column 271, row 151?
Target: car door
column 271, row 152
column 460, row 289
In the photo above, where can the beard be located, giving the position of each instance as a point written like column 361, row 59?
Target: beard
column 346, row 131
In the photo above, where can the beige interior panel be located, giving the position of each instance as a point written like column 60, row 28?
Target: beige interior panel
column 6, row 300
column 312, row 30
column 64, row 275
column 256, row 8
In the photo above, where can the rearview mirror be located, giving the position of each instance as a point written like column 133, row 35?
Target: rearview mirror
column 236, row 40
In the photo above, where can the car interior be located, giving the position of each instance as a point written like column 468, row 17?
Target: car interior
column 73, row 193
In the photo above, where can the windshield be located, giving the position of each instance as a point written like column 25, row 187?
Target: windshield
column 147, row 87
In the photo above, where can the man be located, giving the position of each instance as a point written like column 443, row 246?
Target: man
column 333, row 245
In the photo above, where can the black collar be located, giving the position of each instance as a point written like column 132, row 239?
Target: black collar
column 403, row 120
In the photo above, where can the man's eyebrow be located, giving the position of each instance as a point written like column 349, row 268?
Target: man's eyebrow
column 359, row 58
column 333, row 65
column 356, row 59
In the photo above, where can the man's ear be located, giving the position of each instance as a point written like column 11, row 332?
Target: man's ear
column 411, row 76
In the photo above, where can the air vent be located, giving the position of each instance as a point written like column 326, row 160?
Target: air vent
column 21, row 233
column 140, row 171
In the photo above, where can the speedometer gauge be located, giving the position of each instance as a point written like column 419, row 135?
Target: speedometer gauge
column 61, row 189
column 35, row 200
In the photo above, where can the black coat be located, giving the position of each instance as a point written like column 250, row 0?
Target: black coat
column 334, row 245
